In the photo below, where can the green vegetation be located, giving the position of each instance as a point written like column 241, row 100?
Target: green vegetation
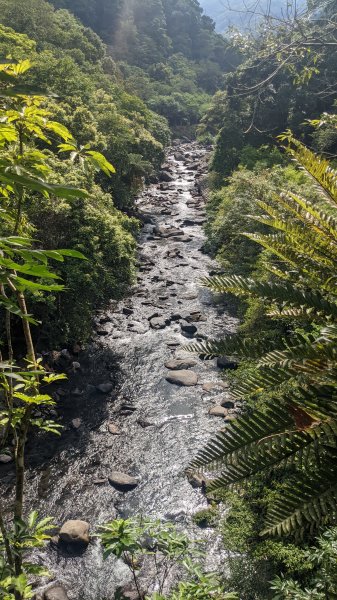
column 272, row 226
column 138, row 539
column 167, row 50
column 25, row 172
column 90, row 94
column 71, row 62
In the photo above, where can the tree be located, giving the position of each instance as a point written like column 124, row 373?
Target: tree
column 25, row 125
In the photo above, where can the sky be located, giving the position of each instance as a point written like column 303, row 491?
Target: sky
column 239, row 12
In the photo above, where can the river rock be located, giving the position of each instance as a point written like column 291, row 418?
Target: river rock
column 158, row 323
column 5, row 458
column 76, row 423
column 144, row 423
column 218, row 411
column 102, row 332
column 105, row 388
column 228, row 404
column 75, row 532
column 184, row 378
column 176, row 365
column 55, row 593
column 223, row 363
column 122, row 481
column 113, row 429
column 128, row 593
column 179, row 156
column 195, row 480
column 188, row 328
column 165, row 176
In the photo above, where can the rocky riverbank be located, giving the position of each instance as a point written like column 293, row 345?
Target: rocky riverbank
column 137, row 407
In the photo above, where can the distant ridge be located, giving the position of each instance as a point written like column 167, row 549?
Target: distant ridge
column 239, row 12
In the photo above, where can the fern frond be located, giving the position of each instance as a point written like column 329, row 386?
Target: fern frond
column 306, row 501
column 286, row 294
column 241, row 436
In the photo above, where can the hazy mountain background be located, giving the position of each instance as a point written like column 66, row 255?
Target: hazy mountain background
column 239, row 12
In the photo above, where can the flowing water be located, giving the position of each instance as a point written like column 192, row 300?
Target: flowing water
column 162, row 425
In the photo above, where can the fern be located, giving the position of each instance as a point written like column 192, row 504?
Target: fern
column 297, row 428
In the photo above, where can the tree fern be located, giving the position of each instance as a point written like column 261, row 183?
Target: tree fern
column 296, row 430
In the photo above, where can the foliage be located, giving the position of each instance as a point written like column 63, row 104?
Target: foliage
column 287, row 71
column 24, row 536
column 206, row 517
column 165, row 46
column 25, row 128
column 323, row 583
column 296, row 429
column 137, row 537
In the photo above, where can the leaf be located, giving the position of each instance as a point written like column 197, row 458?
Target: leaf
column 100, row 162
column 38, row 185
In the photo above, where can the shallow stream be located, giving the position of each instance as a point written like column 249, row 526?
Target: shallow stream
column 161, row 424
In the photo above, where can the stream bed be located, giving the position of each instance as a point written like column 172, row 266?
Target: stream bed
column 159, row 425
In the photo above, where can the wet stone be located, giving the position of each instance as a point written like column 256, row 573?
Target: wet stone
column 122, row 481
column 183, row 378
column 174, row 364
column 76, row 423
column 144, row 423
column 188, row 328
column 224, row 363
column 228, row 404
column 5, row 458
column 218, row 411
column 195, row 480
column 158, row 323
column 113, row 429
column 55, row 593
column 75, row 532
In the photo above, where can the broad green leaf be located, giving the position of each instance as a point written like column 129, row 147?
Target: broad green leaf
column 100, row 162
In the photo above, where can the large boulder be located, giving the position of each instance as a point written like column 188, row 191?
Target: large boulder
column 183, row 377
column 218, row 411
column 55, row 593
column 177, row 365
column 158, row 323
column 224, row 363
column 75, row 532
column 122, row 481
column 165, row 176
column 188, row 328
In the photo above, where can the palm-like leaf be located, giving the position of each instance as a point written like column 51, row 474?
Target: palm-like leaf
column 298, row 426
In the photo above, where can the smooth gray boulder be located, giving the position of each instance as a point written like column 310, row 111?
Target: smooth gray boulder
column 184, row 378
column 218, row 411
column 55, row 593
column 122, row 481
column 75, row 532
column 165, row 176
column 177, row 365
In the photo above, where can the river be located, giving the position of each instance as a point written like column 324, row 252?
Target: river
column 161, row 424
